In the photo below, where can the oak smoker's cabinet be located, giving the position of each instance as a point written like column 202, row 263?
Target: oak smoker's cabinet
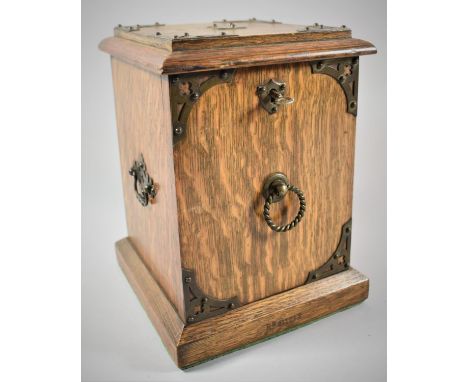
column 237, row 151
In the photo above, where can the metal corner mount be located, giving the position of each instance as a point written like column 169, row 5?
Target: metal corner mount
column 185, row 91
column 346, row 72
column 199, row 306
column 339, row 261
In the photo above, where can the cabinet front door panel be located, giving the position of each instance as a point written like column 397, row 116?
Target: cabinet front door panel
column 230, row 146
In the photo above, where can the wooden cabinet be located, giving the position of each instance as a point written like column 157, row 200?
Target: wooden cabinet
column 237, row 154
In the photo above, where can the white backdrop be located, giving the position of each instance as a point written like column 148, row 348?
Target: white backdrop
column 118, row 341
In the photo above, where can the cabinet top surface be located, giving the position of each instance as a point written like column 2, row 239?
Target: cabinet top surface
column 174, row 49
column 227, row 33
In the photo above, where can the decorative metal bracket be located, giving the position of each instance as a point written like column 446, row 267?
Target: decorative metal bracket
column 144, row 187
column 346, row 72
column 339, row 261
column 199, row 306
column 186, row 89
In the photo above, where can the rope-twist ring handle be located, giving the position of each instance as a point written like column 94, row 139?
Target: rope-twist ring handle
column 275, row 189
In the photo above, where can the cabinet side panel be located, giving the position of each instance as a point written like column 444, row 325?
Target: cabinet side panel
column 144, row 127
column 230, row 147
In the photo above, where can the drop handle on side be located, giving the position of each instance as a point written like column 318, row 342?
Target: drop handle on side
column 145, row 188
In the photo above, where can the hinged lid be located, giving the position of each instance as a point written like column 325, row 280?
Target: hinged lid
column 173, row 49
column 227, row 33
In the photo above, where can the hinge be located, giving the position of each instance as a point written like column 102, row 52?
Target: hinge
column 137, row 27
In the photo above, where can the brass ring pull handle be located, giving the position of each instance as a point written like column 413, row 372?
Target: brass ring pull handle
column 144, row 187
column 274, row 189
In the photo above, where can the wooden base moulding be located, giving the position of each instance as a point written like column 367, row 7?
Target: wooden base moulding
column 256, row 321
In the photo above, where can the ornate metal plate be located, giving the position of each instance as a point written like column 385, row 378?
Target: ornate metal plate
column 199, row 306
column 185, row 91
column 346, row 72
column 339, row 261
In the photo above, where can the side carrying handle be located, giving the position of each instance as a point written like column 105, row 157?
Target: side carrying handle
column 275, row 188
column 144, row 187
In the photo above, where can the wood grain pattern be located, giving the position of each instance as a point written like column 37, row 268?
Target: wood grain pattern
column 271, row 316
column 235, row 41
column 248, row 56
column 159, row 309
column 143, row 122
column 215, row 336
column 161, row 61
column 230, row 147
column 140, row 56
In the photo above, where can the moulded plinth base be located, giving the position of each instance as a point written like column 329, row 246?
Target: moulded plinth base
column 241, row 327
